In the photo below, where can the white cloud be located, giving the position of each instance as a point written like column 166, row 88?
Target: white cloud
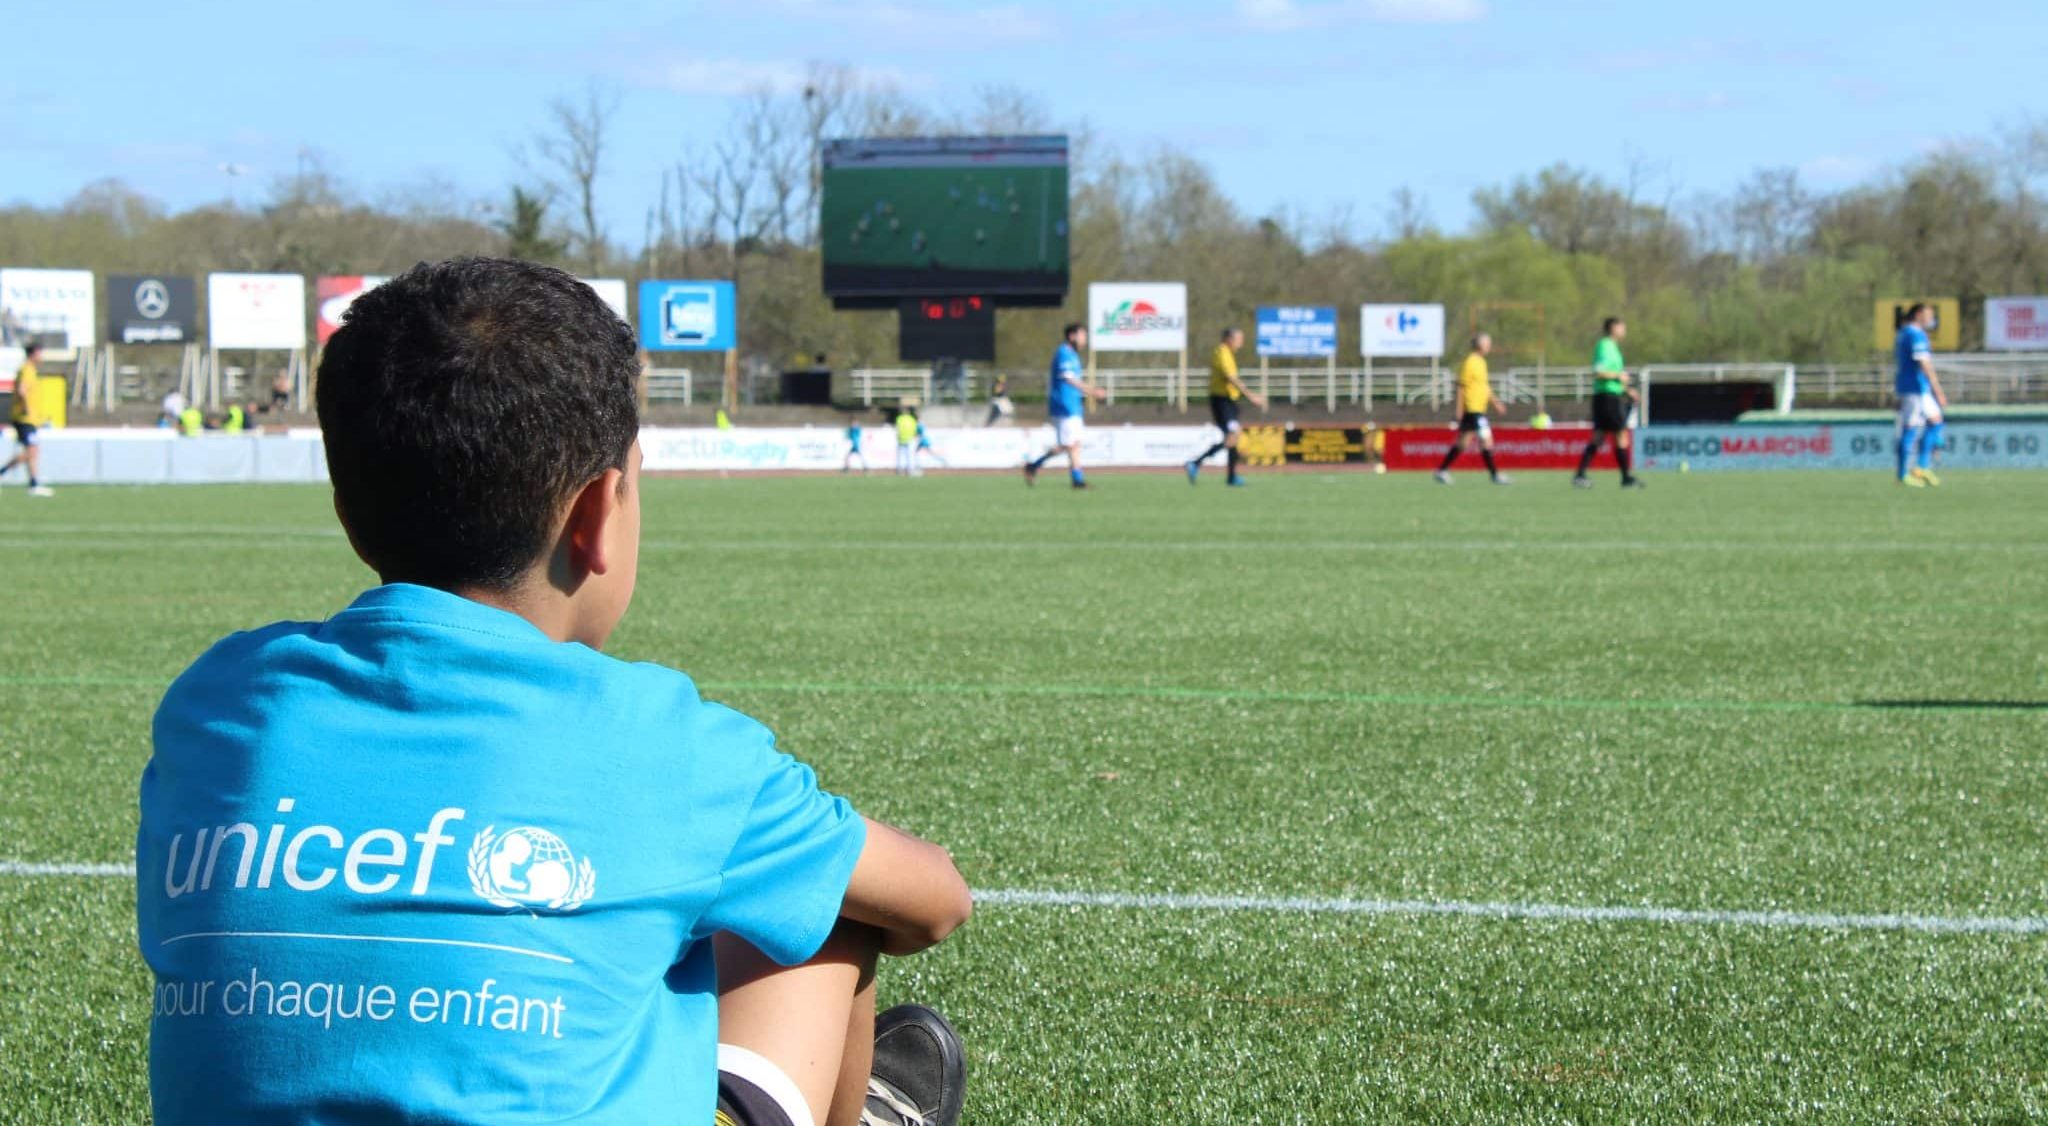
column 1836, row 171
column 901, row 22
column 1296, row 15
column 732, row 77
column 1707, row 102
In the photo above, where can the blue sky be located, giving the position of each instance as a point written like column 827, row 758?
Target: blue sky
column 1305, row 105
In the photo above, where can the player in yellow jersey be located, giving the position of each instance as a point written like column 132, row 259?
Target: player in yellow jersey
column 1225, row 391
column 1475, row 398
column 27, row 422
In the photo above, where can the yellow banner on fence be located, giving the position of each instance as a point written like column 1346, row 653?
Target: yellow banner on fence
column 1946, row 335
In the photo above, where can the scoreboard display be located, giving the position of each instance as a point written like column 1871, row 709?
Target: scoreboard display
column 946, row 328
column 941, row 217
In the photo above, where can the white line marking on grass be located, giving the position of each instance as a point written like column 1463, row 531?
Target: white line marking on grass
column 32, row 870
column 1311, row 905
column 1271, row 547
column 1779, row 920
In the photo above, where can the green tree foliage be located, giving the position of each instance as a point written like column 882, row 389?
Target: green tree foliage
column 525, row 227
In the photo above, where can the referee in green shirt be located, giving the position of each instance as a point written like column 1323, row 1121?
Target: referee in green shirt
column 1613, row 407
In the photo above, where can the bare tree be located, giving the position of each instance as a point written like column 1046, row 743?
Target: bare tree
column 574, row 145
column 1407, row 215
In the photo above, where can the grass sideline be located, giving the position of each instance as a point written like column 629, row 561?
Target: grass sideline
column 1804, row 693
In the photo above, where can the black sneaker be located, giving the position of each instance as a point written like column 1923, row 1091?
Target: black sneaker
column 1633, row 483
column 1030, row 474
column 1581, row 481
column 920, row 1070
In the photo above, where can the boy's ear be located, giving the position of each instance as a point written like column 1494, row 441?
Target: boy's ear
column 590, row 518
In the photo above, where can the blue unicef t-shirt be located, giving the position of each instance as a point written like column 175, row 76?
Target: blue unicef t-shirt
column 421, row 863
column 1912, row 348
column 1064, row 399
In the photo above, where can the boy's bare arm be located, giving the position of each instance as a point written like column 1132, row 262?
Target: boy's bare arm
column 908, row 888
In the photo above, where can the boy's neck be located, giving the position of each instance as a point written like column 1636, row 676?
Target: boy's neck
column 548, row 609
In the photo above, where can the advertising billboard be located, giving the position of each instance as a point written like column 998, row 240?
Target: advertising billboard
column 53, row 306
column 151, row 309
column 1945, row 336
column 1869, row 446
column 333, row 296
column 1138, row 316
column 1298, row 331
column 256, row 311
column 2016, row 324
column 1413, row 331
column 688, row 316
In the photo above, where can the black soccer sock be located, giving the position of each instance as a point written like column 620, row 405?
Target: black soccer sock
column 1586, row 459
column 1209, row 453
column 1626, row 459
column 1492, row 470
column 1045, row 457
column 1450, row 457
column 1233, row 461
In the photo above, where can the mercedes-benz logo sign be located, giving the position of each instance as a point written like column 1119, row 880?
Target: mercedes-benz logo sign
column 152, row 299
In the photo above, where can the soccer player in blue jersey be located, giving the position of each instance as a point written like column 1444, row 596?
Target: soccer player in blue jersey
column 853, row 452
column 1921, row 401
column 1067, row 395
column 440, row 859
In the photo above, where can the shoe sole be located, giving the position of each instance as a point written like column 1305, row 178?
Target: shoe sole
column 952, row 1056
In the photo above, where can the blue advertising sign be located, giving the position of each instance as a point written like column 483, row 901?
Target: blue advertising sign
column 1851, row 445
column 688, row 316
column 1298, row 330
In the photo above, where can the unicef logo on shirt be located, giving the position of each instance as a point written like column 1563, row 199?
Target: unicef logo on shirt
column 528, row 867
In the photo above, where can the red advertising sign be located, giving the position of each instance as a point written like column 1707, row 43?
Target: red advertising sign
column 1514, row 447
column 332, row 297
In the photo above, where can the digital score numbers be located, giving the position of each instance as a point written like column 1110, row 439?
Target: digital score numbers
column 946, row 328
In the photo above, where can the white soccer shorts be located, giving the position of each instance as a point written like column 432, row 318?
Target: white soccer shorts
column 1068, row 430
column 1918, row 410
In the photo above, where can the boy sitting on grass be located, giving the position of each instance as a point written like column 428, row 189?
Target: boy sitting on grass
column 438, row 859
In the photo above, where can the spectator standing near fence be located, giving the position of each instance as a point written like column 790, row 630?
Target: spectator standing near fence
column 28, row 421
column 1613, row 407
column 1000, row 408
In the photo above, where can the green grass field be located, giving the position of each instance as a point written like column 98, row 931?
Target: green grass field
column 1772, row 693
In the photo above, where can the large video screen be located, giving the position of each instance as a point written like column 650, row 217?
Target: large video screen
column 945, row 216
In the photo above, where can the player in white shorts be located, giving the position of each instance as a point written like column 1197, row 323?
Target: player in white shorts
column 1067, row 394
column 1921, row 401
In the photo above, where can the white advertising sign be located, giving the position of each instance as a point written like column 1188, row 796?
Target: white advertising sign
column 256, row 310
column 47, row 303
column 613, row 290
column 1401, row 330
column 1138, row 316
column 823, row 449
column 2016, row 324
